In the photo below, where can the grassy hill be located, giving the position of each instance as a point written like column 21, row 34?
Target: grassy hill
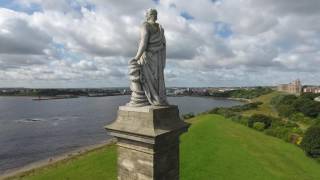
column 214, row 148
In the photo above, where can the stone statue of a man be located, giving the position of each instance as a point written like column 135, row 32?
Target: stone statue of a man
column 146, row 69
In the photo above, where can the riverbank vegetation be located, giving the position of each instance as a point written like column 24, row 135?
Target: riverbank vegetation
column 214, row 147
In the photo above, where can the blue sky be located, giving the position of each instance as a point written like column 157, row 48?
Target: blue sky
column 16, row 6
column 88, row 43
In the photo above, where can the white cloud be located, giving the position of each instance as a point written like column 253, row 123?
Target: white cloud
column 89, row 42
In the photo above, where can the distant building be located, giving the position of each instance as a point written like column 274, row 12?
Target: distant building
column 294, row 87
column 180, row 91
column 312, row 89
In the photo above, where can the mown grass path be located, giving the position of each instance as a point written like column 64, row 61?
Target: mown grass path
column 214, row 148
column 265, row 108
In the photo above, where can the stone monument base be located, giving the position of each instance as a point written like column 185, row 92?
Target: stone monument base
column 148, row 142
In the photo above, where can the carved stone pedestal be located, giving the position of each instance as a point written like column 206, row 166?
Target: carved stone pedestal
column 148, row 142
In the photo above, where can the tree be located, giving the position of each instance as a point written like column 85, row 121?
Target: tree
column 283, row 99
column 310, row 96
column 309, row 107
column 311, row 142
column 285, row 110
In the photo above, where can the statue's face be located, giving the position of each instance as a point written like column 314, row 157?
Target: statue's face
column 152, row 16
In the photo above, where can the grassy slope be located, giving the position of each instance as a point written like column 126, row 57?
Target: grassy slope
column 214, row 148
column 98, row 164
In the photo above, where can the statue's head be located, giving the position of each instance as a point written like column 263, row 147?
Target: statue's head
column 151, row 15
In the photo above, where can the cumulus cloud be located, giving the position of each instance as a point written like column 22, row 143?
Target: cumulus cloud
column 18, row 36
column 209, row 43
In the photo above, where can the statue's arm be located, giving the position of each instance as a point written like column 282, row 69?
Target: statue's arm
column 165, row 44
column 144, row 35
column 164, row 39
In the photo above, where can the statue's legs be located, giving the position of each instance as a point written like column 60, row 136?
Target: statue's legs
column 138, row 97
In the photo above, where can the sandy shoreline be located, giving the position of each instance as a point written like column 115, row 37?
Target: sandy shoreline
column 55, row 159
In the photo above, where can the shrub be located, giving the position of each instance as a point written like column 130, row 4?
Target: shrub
column 226, row 112
column 246, row 107
column 259, row 126
column 236, row 118
column 299, row 140
column 188, row 116
column 290, row 124
column 244, row 121
column 311, row 142
column 260, row 118
column 214, row 111
column 317, row 121
column 240, row 119
column 297, row 130
column 294, row 138
column 297, row 117
column 279, row 132
column 229, row 113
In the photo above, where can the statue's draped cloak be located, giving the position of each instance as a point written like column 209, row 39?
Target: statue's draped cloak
column 154, row 61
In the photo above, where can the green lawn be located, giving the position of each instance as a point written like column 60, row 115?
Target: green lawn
column 214, row 148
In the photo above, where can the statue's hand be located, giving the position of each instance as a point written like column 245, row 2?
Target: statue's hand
column 141, row 61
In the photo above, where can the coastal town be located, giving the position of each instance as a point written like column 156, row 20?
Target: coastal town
column 295, row 87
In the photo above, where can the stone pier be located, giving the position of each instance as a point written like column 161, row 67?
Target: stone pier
column 148, row 142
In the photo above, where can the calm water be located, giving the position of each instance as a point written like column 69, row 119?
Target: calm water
column 35, row 130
